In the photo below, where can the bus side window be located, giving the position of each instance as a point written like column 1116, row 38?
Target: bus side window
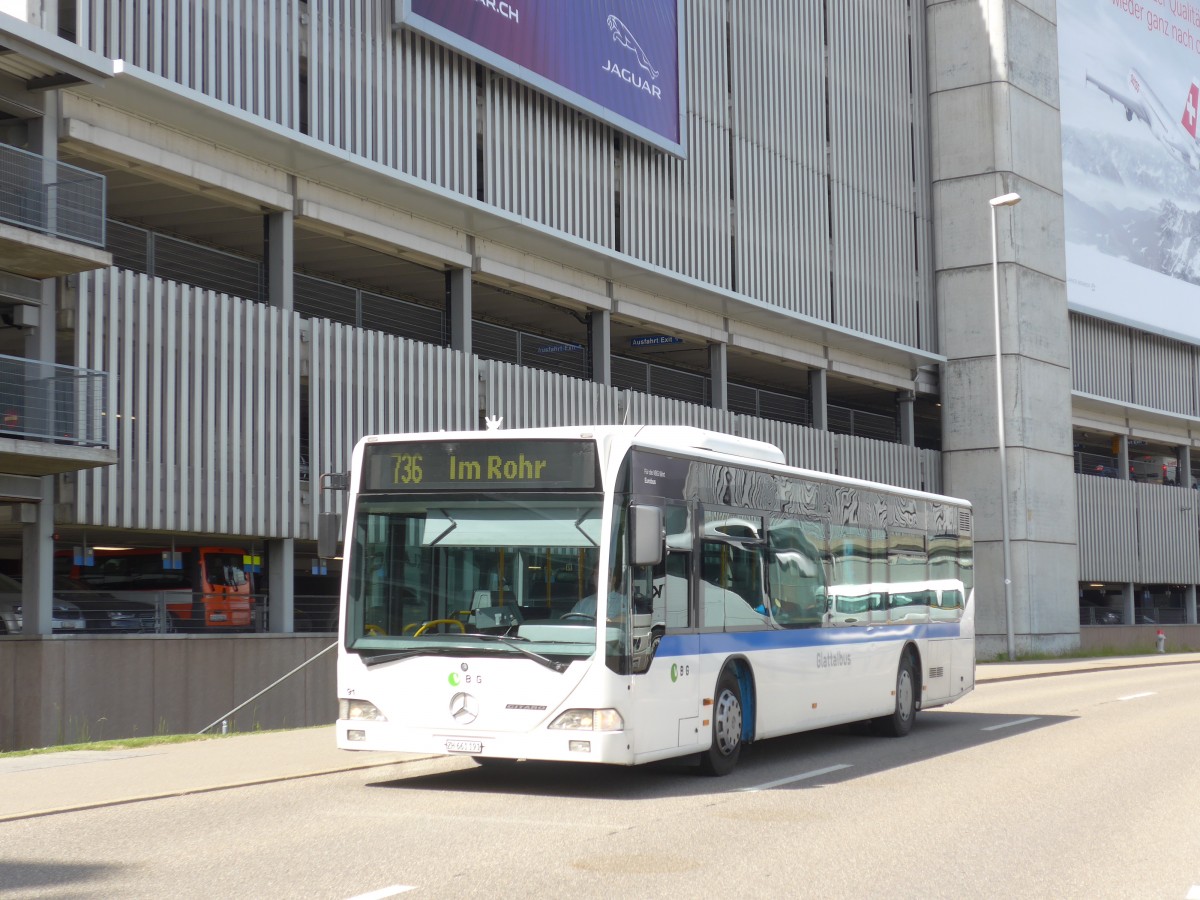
column 712, row 588
column 676, row 605
column 795, row 575
column 732, row 582
column 673, row 606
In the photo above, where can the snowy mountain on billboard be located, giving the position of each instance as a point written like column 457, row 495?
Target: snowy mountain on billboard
column 1133, row 202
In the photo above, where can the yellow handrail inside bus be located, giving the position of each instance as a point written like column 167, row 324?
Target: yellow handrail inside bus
column 420, row 631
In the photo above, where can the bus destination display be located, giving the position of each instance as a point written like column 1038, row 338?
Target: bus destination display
column 475, row 465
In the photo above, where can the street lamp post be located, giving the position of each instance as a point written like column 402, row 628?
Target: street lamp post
column 995, row 202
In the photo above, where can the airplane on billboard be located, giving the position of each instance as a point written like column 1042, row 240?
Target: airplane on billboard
column 1179, row 138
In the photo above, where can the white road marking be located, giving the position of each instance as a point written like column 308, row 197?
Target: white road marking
column 1011, row 724
column 1194, row 893
column 815, row 773
column 385, row 892
column 1139, row 696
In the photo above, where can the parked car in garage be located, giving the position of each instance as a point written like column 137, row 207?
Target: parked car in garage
column 105, row 614
column 315, row 599
column 1109, row 616
column 67, row 617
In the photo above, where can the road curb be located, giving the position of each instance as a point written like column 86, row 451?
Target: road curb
column 1081, row 671
column 209, row 789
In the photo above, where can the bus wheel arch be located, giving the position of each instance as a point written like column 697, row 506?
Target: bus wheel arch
column 731, row 718
column 900, row 721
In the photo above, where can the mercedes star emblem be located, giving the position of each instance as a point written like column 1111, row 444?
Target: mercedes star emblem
column 464, row 708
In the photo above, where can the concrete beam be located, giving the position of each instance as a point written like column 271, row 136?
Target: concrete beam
column 32, row 254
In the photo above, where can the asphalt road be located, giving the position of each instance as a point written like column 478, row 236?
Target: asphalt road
column 1078, row 785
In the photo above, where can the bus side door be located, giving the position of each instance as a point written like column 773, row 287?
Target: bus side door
column 665, row 687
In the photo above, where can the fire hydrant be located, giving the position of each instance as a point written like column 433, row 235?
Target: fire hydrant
column 1160, row 642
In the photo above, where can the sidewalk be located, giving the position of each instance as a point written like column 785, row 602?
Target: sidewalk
column 1010, row 671
column 45, row 784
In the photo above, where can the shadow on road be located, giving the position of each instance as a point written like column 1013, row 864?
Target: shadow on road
column 30, row 874
column 937, row 733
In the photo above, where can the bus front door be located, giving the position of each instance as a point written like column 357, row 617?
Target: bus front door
column 666, row 679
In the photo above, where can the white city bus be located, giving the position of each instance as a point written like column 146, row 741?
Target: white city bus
column 473, row 562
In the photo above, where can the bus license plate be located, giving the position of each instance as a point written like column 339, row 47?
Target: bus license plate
column 464, row 746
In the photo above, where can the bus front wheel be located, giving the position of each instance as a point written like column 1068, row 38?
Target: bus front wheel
column 900, row 722
column 722, row 756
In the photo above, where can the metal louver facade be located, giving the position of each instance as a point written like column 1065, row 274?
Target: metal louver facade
column 1127, row 365
column 806, row 185
column 205, row 386
column 211, row 427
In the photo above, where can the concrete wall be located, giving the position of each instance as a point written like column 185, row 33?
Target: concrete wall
column 50, row 694
column 1138, row 638
column 995, row 126
column 56, row 690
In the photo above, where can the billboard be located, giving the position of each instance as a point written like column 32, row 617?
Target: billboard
column 1129, row 83
column 618, row 60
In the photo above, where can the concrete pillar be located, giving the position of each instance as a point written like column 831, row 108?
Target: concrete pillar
column 718, row 372
column 599, row 334
column 43, row 13
column 993, row 81
column 458, row 308
column 905, row 419
column 39, row 347
column 1123, row 456
column 818, row 398
column 281, row 259
column 43, row 140
column 1183, row 466
column 281, row 566
column 1128, row 603
column 37, row 534
column 1189, row 605
column 37, row 562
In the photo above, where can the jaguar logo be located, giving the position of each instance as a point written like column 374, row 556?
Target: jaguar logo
column 464, row 708
column 623, row 36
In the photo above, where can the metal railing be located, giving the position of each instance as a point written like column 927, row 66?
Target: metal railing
column 174, row 259
column 857, row 423
column 98, row 611
column 87, row 612
column 52, row 402
column 1143, row 615
column 1155, row 470
column 1096, row 464
column 51, row 197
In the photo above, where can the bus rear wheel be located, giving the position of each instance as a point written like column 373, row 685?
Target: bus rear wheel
column 722, row 756
column 900, row 722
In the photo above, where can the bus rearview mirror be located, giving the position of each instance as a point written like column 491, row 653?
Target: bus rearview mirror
column 646, row 535
column 329, row 535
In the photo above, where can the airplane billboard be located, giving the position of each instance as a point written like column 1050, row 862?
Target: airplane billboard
column 620, row 61
column 1129, row 86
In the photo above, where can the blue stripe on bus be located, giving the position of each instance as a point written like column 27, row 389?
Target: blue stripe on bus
column 791, row 638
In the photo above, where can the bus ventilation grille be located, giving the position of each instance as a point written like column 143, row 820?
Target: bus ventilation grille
column 937, row 671
column 964, row 521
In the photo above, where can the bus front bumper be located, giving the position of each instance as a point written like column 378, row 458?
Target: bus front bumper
column 614, row 747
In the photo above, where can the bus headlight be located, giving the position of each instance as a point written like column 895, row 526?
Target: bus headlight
column 589, row 720
column 360, row 710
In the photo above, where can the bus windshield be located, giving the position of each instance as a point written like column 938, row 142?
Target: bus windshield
column 468, row 576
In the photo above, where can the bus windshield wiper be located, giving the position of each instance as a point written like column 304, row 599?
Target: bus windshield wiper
column 439, row 649
column 513, row 642
column 391, row 657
